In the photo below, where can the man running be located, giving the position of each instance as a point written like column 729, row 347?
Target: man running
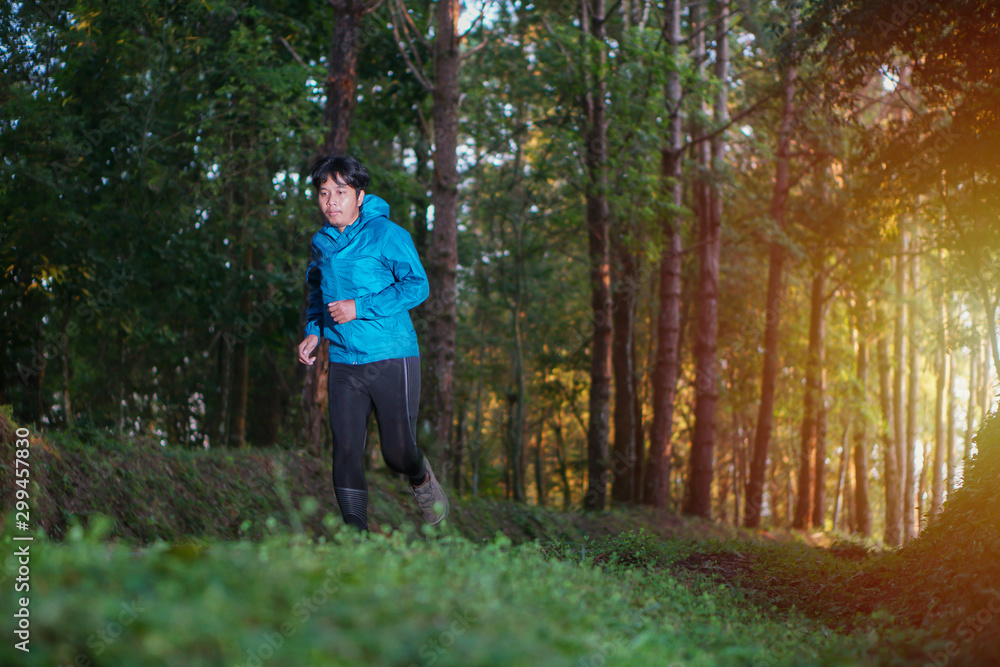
column 364, row 276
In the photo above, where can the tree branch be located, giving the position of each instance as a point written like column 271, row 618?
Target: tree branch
column 292, row 51
column 732, row 121
column 399, row 15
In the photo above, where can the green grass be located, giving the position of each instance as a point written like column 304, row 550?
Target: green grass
column 396, row 600
column 146, row 556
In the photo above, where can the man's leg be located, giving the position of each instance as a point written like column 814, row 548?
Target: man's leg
column 350, row 406
column 394, row 386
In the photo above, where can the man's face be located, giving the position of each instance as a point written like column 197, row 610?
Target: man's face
column 340, row 203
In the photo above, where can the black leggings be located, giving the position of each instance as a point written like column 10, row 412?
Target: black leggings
column 392, row 389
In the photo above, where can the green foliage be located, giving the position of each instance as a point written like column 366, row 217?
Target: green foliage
column 385, row 600
column 151, row 146
column 939, row 595
column 305, row 591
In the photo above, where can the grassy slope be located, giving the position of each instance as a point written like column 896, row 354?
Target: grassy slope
column 578, row 596
column 153, row 493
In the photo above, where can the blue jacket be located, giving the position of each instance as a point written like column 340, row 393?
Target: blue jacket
column 374, row 262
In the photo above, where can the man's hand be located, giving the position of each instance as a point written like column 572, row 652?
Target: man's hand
column 306, row 348
column 342, row 311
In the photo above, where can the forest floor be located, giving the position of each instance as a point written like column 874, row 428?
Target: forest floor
column 228, row 553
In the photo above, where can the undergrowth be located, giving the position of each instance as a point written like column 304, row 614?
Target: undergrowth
column 225, row 553
column 391, row 600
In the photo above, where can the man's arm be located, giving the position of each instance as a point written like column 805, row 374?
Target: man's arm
column 410, row 288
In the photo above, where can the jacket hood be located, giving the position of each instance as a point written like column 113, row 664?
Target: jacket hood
column 373, row 207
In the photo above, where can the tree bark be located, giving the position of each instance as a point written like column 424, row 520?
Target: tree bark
column 950, row 428
column 765, row 415
column 341, row 79
column 561, row 460
column 540, row 489
column 819, row 486
column 893, row 515
column 990, row 308
column 241, row 371
column 851, row 526
column 623, row 312
column 862, row 511
column 638, row 432
column 656, row 483
column 987, row 392
column 225, row 387
column 899, row 372
column 699, row 493
column 739, row 469
column 477, row 426
column 519, row 398
column 922, row 482
column 807, row 436
column 937, row 476
column 911, row 522
column 970, row 411
column 439, row 312
column 66, row 365
column 595, row 159
column 838, row 502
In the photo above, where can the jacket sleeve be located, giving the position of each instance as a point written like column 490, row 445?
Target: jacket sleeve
column 314, row 310
column 410, row 288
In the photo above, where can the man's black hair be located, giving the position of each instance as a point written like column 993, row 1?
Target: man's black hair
column 343, row 169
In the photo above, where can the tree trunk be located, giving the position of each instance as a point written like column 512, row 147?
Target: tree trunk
column 899, row 371
column 819, row 482
column 739, row 469
column 941, row 370
column 341, row 80
column 638, row 432
column 440, row 311
column 241, row 372
column 911, row 521
column 595, row 158
column 66, row 366
column 540, row 489
column 893, row 516
column 699, row 492
column 987, row 392
column 624, row 333
column 241, row 377
column 225, row 385
column 765, row 415
column 477, row 425
column 851, row 525
column 656, row 482
column 922, row 483
column 121, row 382
column 970, row 410
column 561, row 460
column 807, row 436
column 519, row 407
column 838, row 502
column 862, row 511
column 990, row 307
column 950, row 427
